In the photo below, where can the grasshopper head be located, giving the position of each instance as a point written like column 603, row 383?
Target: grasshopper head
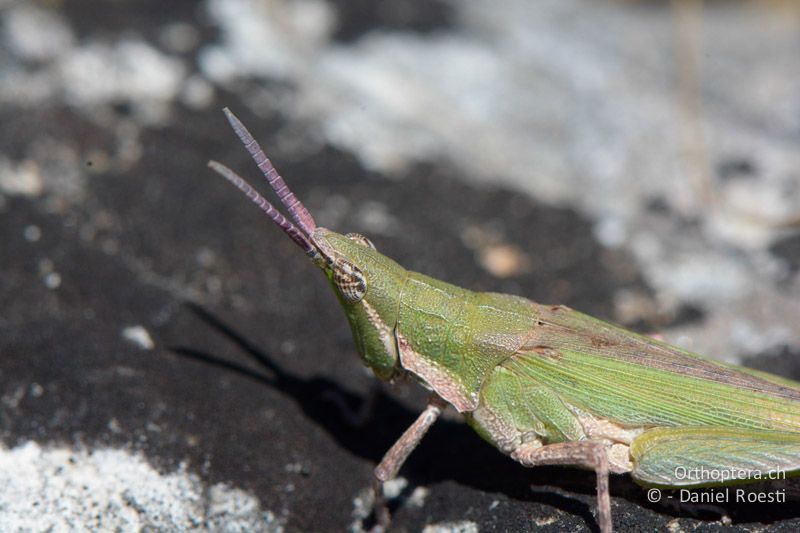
column 368, row 286
column 367, row 283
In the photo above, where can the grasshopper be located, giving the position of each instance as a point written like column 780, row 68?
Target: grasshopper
column 544, row 384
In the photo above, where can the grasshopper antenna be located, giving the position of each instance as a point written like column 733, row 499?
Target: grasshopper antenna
column 296, row 209
column 288, row 228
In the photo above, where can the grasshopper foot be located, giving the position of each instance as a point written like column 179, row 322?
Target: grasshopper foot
column 380, row 508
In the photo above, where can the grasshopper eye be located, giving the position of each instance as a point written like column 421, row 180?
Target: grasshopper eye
column 360, row 239
column 349, row 280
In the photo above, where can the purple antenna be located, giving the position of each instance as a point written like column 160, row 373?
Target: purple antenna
column 295, row 234
column 297, row 210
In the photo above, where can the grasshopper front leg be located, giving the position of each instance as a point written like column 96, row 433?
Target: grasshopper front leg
column 583, row 453
column 393, row 460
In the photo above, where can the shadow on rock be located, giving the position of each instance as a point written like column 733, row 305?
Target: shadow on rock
column 451, row 451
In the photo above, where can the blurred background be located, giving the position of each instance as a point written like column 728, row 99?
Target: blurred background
column 169, row 360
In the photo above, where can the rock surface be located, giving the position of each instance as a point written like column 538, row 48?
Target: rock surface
column 169, row 361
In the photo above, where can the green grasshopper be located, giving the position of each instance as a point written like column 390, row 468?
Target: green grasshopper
column 544, row 384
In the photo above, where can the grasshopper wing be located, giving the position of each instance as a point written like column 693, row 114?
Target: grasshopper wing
column 635, row 381
column 683, row 457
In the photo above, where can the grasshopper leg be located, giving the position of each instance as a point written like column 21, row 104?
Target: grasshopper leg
column 578, row 453
column 399, row 452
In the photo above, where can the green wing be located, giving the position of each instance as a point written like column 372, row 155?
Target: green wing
column 637, row 381
column 696, row 457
